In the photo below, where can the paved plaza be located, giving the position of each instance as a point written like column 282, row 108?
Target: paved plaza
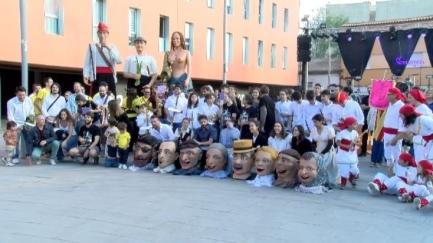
column 73, row 203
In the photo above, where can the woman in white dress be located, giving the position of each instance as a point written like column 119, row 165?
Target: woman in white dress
column 323, row 141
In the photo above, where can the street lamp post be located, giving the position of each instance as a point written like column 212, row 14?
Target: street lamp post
column 24, row 62
column 225, row 43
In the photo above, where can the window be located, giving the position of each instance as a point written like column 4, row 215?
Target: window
column 189, row 37
column 99, row 15
column 273, row 54
column 229, row 6
column 260, row 54
column 164, row 40
column 134, row 25
column 54, row 16
column 286, row 20
column 229, row 49
column 261, row 11
column 245, row 50
column 274, row 15
column 211, row 3
column 247, row 9
column 285, row 58
column 210, row 43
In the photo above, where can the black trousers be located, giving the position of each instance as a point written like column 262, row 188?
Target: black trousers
column 107, row 78
column 364, row 138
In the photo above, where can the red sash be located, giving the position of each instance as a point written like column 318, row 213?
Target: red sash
column 345, row 142
column 427, row 138
column 104, row 70
column 390, row 130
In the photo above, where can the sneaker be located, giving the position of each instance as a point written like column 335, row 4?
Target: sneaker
column 52, row 162
column 342, row 188
column 120, row 166
column 15, row 161
column 420, row 203
column 10, row 164
column 5, row 160
column 38, row 162
column 353, row 183
column 373, row 188
column 124, row 167
column 405, row 197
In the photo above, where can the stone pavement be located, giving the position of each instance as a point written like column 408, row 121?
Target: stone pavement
column 70, row 203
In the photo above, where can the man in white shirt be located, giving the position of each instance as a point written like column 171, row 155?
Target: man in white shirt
column 159, row 130
column 328, row 107
column 18, row 109
column 282, row 108
column 101, row 99
column 312, row 108
column 174, row 106
column 53, row 103
column 147, row 73
column 296, row 115
column 350, row 109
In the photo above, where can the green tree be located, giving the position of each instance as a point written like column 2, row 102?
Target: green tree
column 320, row 45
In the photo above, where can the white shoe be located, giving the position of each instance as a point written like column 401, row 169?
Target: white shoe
column 373, row 188
column 120, row 166
column 5, row 161
column 9, row 164
column 15, row 161
column 124, row 167
column 38, row 162
column 52, row 162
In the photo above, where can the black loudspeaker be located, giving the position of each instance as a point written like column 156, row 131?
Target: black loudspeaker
column 304, row 48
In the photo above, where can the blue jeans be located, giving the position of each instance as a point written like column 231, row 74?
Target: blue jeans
column 377, row 152
column 123, row 154
column 179, row 80
column 111, row 162
column 52, row 147
column 71, row 143
column 24, row 136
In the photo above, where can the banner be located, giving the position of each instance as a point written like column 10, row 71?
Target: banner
column 378, row 94
column 428, row 38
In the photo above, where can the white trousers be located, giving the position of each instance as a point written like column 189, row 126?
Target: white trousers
column 417, row 189
column 391, row 152
column 390, row 183
column 423, row 151
column 347, row 169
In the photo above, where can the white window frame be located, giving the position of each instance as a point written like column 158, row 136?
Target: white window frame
column 273, row 55
column 286, row 20
column 285, row 55
column 98, row 5
column 274, row 15
column 211, row 3
column 189, row 37
column 245, row 50
column 210, row 44
column 134, row 31
column 261, row 12
column 164, row 33
column 229, row 7
column 229, row 50
column 53, row 11
column 246, row 9
column 260, row 53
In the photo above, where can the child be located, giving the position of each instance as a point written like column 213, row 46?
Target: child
column 10, row 137
column 111, row 152
column 112, row 128
column 405, row 171
column 143, row 120
column 347, row 157
column 123, row 138
column 422, row 189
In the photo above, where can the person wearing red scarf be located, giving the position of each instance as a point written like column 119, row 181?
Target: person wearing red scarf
column 398, row 175
column 416, row 124
column 423, row 189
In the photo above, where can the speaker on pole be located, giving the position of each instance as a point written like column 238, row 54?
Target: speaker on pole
column 304, row 48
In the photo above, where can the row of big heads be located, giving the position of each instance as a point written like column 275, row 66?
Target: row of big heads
column 258, row 166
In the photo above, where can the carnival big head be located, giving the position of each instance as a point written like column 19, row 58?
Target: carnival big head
column 216, row 161
column 145, row 150
column 189, row 155
column 243, row 154
column 264, row 161
column 167, row 155
column 286, row 168
column 312, row 173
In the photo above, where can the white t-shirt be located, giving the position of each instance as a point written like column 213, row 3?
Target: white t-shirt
column 343, row 156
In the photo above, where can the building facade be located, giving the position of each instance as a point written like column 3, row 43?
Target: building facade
column 261, row 38
column 323, row 71
column 377, row 68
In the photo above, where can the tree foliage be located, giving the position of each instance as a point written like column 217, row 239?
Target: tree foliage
column 320, row 45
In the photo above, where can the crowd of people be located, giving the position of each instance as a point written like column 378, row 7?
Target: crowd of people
column 304, row 141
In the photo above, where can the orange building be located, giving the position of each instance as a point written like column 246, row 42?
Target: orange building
column 261, row 37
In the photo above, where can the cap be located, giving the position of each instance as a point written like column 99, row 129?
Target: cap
column 148, row 139
column 291, row 152
column 189, row 144
column 139, row 38
column 243, row 146
column 102, row 27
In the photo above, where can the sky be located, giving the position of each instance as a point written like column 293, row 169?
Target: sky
column 309, row 7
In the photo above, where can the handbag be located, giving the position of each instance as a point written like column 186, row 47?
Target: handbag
column 166, row 70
